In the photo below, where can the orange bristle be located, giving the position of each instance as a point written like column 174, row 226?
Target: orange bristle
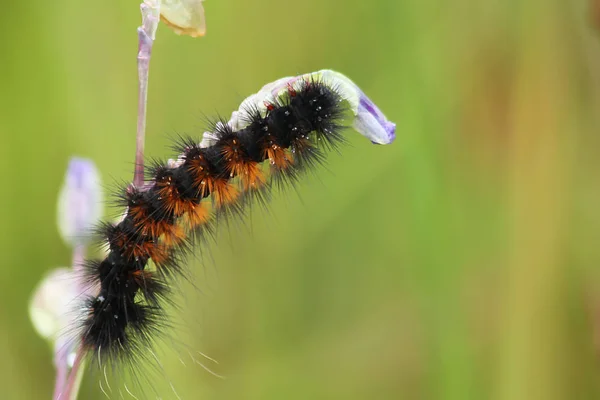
column 173, row 236
column 224, row 193
column 198, row 216
column 251, row 176
column 141, row 277
column 158, row 253
column 278, row 156
column 238, row 164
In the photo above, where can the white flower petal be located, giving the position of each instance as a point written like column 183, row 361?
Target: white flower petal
column 50, row 304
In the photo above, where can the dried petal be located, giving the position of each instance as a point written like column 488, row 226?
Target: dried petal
column 185, row 17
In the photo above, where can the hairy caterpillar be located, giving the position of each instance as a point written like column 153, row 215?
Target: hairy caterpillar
column 277, row 134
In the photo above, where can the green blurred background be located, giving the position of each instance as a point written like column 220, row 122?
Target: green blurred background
column 459, row 263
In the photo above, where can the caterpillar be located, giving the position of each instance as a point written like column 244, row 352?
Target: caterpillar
column 273, row 138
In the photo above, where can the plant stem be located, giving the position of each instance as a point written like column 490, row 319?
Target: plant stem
column 62, row 369
column 72, row 387
column 63, row 349
column 146, row 34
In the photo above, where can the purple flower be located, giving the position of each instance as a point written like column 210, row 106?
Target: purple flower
column 371, row 122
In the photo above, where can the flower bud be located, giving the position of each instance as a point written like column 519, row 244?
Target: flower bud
column 79, row 202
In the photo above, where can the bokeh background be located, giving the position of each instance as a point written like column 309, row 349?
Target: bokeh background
column 462, row 262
